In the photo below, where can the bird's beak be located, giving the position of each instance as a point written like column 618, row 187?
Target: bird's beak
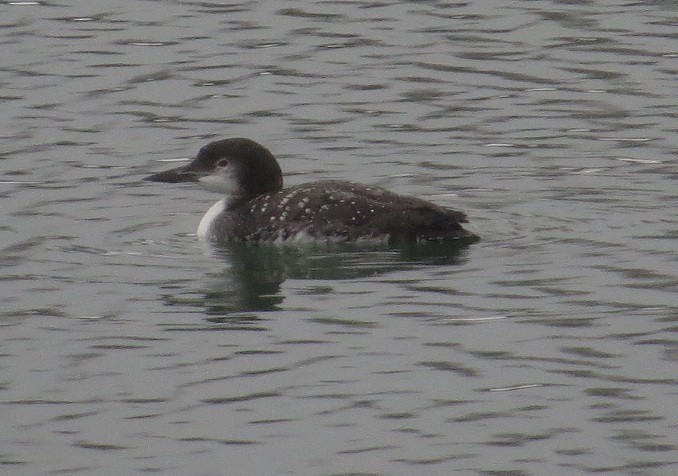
column 185, row 173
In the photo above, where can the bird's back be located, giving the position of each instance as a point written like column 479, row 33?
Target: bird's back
column 340, row 211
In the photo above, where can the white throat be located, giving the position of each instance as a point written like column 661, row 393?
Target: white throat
column 205, row 227
column 220, row 183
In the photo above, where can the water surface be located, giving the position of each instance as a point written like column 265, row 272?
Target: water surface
column 547, row 348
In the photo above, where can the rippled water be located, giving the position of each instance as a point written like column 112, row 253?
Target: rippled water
column 547, row 348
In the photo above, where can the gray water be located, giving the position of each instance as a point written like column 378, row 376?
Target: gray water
column 129, row 347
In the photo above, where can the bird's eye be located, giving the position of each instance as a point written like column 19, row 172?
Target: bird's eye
column 222, row 162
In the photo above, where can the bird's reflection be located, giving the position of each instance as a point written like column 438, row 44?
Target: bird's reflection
column 252, row 275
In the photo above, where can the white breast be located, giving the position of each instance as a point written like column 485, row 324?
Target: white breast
column 205, row 226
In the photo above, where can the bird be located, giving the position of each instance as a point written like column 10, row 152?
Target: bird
column 256, row 207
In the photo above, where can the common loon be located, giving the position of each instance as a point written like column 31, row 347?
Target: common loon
column 257, row 208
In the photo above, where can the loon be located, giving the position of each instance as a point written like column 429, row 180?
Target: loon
column 257, row 208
